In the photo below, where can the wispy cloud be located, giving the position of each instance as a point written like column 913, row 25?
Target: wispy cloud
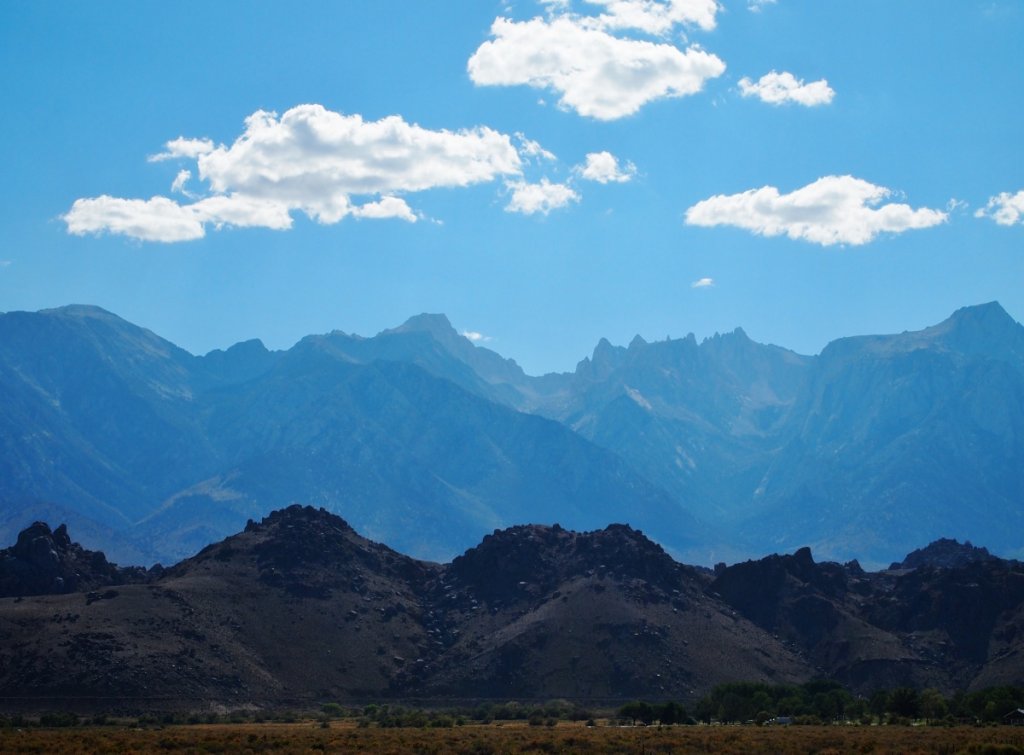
column 5, row 263
column 831, row 210
column 703, row 283
column 182, row 148
column 604, row 167
column 178, row 187
column 595, row 72
column 530, row 148
column 1004, row 208
column 780, row 88
column 758, row 5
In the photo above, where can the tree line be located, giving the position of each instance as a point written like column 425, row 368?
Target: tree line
column 824, row 701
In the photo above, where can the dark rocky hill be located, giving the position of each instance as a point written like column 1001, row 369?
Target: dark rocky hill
column 945, row 553
column 950, row 627
column 299, row 608
column 45, row 562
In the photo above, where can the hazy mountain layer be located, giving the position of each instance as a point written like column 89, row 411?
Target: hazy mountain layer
column 719, row 450
column 156, row 452
column 876, row 446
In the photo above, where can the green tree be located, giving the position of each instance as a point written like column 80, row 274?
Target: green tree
column 637, row 710
column 905, row 702
column 933, row 705
column 671, row 713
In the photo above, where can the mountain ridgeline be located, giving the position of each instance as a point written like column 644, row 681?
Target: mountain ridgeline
column 719, row 450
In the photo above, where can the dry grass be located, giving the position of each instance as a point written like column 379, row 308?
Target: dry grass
column 513, row 738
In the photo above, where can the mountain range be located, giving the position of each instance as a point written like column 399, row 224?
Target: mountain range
column 299, row 609
column 719, row 450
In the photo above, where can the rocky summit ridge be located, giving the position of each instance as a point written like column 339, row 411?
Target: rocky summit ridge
column 298, row 607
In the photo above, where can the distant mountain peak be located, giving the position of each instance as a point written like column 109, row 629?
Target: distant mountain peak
column 435, row 324
column 982, row 329
column 82, row 311
column 989, row 317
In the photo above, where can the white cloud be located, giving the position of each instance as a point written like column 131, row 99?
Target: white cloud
column 603, row 167
column 594, row 73
column 832, row 210
column 180, row 180
column 156, row 219
column 475, row 337
column 654, row 16
column 310, row 160
column 5, row 263
column 310, row 156
column 703, row 283
column 1004, row 208
column 543, row 197
column 779, row 88
column 758, row 5
column 182, row 147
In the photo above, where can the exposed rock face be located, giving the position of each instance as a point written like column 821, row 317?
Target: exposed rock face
column 45, row 562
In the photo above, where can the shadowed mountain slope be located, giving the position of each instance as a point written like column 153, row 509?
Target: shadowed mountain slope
column 299, row 609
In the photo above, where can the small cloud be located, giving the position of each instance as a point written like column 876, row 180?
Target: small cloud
column 475, row 337
column 1004, row 208
column 5, row 263
column 703, row 283
column 542, row 197
column 182, row 147
column 387, row 207
column 603, row 167
column 179, row 182
column 779, row 88
column 956, row 205
column 758, row 5
column 831, row 210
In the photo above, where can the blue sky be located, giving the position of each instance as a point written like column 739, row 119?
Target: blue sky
column 544, row 173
